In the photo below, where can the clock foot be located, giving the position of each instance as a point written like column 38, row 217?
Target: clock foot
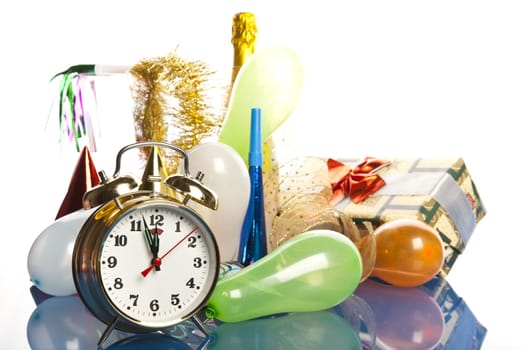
column 107, row 332
column 200, row 325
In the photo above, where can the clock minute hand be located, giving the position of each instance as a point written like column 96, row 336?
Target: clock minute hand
column 153, row 243
column 146, row 271
column 155, row 249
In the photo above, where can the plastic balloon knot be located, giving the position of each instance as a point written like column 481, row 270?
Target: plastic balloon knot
column 210, row 313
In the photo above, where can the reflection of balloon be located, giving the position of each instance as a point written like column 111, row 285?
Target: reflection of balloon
column 409, row 252
column 406, row 318
column 226, row 174
column 64, row 323
column 271, row 79
column 356, row 311
column 191, row 334
column 299, row 331
column 312, row 271
column 49, row 259
column 150, row 341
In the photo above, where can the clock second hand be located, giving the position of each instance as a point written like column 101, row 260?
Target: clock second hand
column 146, row 271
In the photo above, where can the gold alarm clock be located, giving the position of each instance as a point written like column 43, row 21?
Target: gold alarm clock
column 144, row 261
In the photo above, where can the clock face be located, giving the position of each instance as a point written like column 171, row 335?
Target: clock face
column 158, row 264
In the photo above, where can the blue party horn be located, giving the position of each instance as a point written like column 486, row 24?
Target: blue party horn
column 252, row 244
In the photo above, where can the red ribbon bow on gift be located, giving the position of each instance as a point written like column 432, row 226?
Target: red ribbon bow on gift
column 358, row 182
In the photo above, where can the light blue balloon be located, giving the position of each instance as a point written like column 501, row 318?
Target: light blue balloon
column 49, row 261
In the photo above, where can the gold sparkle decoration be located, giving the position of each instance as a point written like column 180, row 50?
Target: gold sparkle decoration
column 174, row 102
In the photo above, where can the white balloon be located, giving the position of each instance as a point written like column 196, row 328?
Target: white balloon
column 49, row 261
column 227, row 175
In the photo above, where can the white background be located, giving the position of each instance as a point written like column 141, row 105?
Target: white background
column 382, row 78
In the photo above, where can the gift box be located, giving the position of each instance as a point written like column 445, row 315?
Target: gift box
column 439, row 192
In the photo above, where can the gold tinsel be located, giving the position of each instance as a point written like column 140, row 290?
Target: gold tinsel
column 173, row 103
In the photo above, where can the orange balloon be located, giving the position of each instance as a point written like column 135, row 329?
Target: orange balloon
column 409, row 252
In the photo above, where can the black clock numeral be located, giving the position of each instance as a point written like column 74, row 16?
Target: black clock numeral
column 118, row 283
column 192, row 242
column 191, row 283
column 154, row 305
column 121, row 240
column 197, row 262
column 175, row 299
column 112, row 262
column 135, row 298
column 177, row 226
column 156, row 220
column 136, row 225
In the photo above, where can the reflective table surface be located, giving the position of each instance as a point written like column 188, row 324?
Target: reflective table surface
column 376, row 316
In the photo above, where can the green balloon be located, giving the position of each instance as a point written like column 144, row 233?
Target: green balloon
column 312, row 271
column 271, row 79
column 296, row 331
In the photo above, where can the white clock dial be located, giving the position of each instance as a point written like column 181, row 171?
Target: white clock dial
column 158, row 264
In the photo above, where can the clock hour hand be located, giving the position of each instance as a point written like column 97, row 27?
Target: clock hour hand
column 148, row 235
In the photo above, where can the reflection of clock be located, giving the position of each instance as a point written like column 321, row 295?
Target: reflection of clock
column 144, row 261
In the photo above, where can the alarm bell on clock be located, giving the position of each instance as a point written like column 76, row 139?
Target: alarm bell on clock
column 144, row 261
column 183, row 184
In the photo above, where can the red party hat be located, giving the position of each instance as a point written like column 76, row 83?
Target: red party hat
column 84, row 178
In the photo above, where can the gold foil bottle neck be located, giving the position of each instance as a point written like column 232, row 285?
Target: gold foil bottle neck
column 244, row 35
